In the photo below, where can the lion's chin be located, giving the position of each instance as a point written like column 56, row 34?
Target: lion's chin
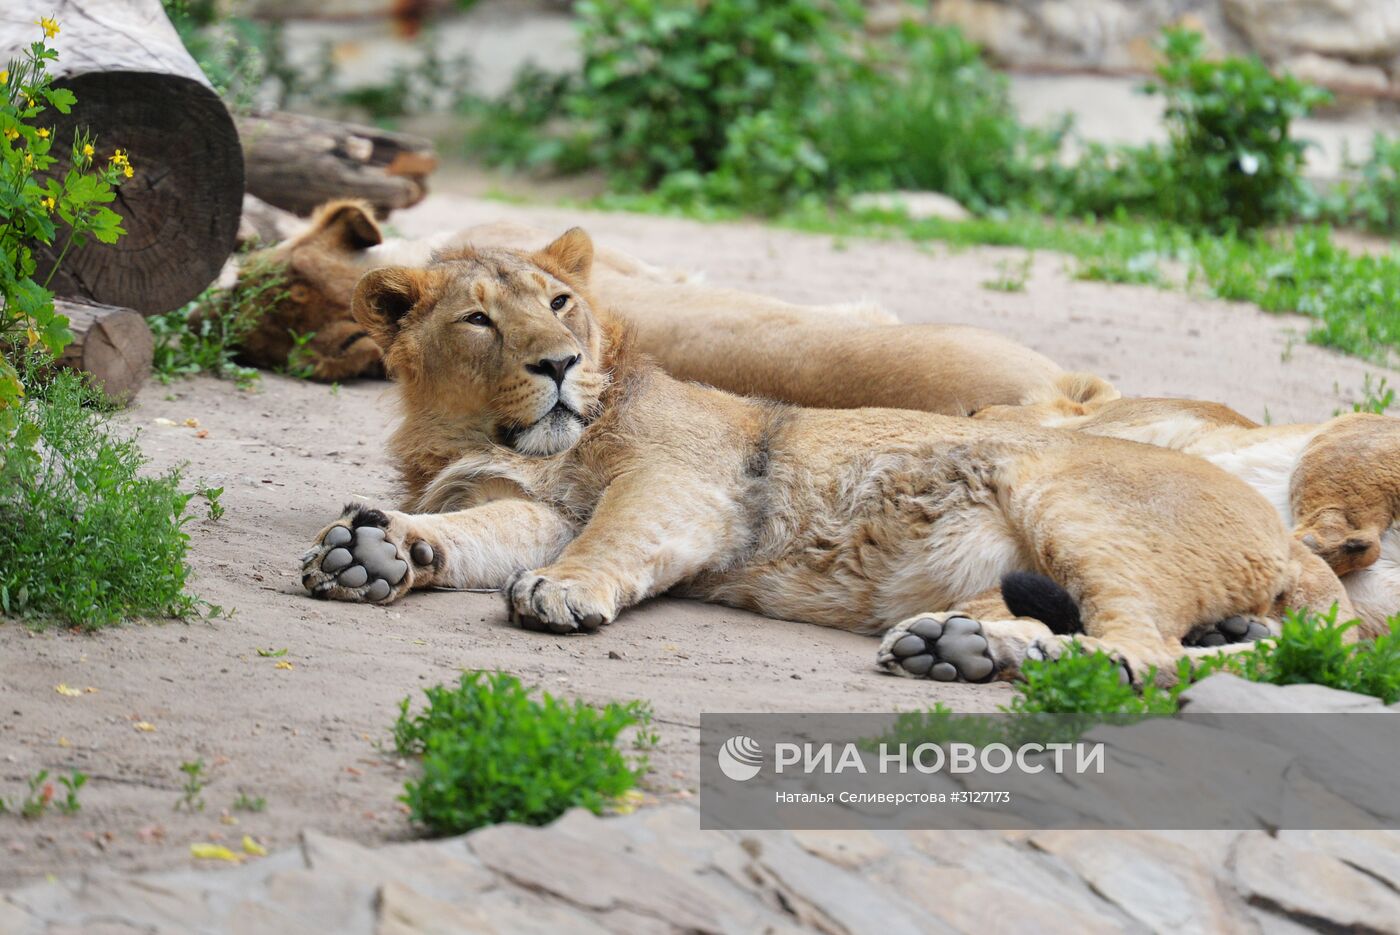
column 558, row 431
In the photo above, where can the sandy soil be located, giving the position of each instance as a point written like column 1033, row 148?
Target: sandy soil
column 308, row 739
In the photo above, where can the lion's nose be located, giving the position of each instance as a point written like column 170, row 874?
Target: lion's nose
column 553, row 367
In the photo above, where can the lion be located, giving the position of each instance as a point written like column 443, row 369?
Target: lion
column 813, row 355
column 1336, row 484
column 545, row 455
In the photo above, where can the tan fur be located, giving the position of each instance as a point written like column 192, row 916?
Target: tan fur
column 854, row 519
column 1336, row 484
column 750, row 344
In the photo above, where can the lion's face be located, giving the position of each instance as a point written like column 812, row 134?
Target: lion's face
column 498, row 342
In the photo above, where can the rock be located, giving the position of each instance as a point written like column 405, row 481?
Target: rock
column 917, row 205
column 402, row 910
column 848, row 849
column 961, row 898
column 1163, row 885
column 550, row 861
column 1312, row 887
column 1230, row 694
column 829, row 899
column 1007, row 33
column 443, row 870
column 1336, row 73
column 1359, row 30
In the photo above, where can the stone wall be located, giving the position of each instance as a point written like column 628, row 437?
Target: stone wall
column 1352, row 45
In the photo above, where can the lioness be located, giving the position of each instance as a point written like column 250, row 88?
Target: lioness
column 552, row 459
column 747, row 343
column 1336, row 484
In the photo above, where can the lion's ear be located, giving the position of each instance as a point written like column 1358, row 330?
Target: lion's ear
column 345, row 224
column 383, row 297
column 573, row 252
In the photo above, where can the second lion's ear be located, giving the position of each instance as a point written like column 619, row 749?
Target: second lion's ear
column 573, row 252
column 384, row 297
column 345, row 224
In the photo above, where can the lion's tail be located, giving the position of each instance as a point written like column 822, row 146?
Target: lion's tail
column 1030, row 595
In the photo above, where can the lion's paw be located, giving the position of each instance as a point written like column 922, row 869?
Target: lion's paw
column 1236, row 629
column 946, row 647
column 538, row 602
column 360, row 558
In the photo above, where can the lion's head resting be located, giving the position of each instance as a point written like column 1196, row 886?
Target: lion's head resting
column 503, row 343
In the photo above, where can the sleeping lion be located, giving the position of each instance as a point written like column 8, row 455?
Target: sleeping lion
column 814, row 355
column 545, row 455
column 1336, row 484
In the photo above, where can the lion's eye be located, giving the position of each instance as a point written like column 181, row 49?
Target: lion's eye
column 478, row 318
column 558, row 302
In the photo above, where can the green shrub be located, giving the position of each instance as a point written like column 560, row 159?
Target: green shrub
column 205, row 335
column 1311, row 649
column 924, row 112
column 87, row 539
column 664, row 82
column 1081, row 682
column 1233, row 162
column 492, row 752
column 1372, row 198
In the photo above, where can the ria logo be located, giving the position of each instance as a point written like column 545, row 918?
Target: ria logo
column 740, row 758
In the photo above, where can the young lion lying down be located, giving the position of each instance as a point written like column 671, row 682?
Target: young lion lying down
column 1336, row 484
column 544, row 455
column 814, row 355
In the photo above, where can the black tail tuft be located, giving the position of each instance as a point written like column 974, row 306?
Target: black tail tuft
column 1036, row 596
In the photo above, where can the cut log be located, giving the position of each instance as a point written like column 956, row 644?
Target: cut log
column 139, row 90
column 112, row 345
column 298, row 163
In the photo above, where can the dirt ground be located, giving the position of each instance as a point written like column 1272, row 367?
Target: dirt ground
column 289, row 454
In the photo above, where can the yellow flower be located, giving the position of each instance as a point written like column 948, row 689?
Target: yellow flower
column 128, row 171
column 29, row 159
column 4, row 77
column 12, row 134
column 49, row 25
column 43, row 133
column 88, row 150
column 48, row 203
column 119, row 159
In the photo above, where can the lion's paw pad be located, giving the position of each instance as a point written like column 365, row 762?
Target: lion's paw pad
column 943, row 647
column 356, row 564
column 1236, row 629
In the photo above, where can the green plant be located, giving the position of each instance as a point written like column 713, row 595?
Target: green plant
column 71, row 784
column 1081, row 682
column 1371, row 197
column 1011, row 275
column 36, row 800
column 195, row 780
column 493, row 752
column 205, row 336
column 1233, row 162
column 211, row 496
column 89, row 537
column 1312, row 649
column 301, row 359
column 40, row 205
column 247, row 803
column 922, row 111
column 1376, row 396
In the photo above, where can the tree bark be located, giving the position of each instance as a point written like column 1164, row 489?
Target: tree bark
column 139, row 90
column 112, row 345
column 297, row 163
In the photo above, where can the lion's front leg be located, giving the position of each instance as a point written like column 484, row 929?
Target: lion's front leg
column 378, row 556
column 648, row 533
